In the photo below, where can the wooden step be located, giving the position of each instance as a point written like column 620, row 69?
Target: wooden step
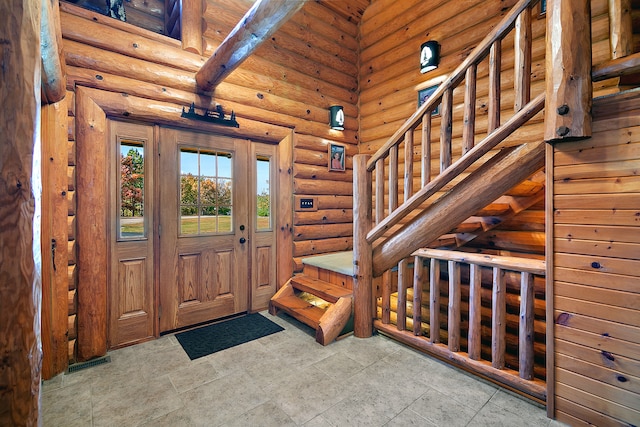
column 329, row 322
column 301, row 310
column 320, row 288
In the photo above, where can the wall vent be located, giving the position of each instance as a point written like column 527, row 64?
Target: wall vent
column 88, row 364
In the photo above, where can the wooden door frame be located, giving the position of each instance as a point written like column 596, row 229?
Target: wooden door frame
column 93, row 106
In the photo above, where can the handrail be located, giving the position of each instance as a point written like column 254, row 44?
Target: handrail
column 477, row 55
column 530, row 110
column 528, row 265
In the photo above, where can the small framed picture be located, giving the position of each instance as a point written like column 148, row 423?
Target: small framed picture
column 424, row 94
column 337, row 154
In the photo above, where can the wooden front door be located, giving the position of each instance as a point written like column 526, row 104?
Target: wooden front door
column 204, row 227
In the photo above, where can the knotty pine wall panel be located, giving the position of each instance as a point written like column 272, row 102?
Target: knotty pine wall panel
column 596, row 197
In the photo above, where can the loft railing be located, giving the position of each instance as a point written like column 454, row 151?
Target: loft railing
column 481, row 349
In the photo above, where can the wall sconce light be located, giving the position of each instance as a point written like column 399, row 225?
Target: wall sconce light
column 429, row 56
column 336, row 117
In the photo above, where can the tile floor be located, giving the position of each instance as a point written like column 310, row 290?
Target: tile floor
column 285, row 379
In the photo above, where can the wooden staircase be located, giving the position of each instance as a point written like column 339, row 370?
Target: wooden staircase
column 328, row 316
column 518, row 199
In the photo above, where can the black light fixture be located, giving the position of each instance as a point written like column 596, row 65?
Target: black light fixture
column 429, row 56
column 336, row 117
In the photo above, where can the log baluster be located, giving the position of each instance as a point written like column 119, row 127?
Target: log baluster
column 498, row 319
column 526, row 338
column 620, row 28
column 418, row 279
column 495, row 58
column 426, row 150
column 475, row 310
column 469, row 123
column 379, row 190
column 453, row 325
column 522, row 60
column 403, row 273
column 393, row 178
column 434, row 301
column 446, row 129
column 386, row 297
column 408, row 164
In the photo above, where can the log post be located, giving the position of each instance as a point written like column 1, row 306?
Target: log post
column 55, row 280
column 262, row 20
column 54, row 79
column 418, row 280
column 453, row 320
column 401, row 309
column 522, row 60
column 526, row 332
column 434, row 301
column 475, row 310
column 569, row 90
column 620, row 28
column 498, row 319
column 426, row 150
column 20, row 187
column 191, row 25
column 363, row 266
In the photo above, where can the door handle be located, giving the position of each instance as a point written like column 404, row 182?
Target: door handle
column 243, row 240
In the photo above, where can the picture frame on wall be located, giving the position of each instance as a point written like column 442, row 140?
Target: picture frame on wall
column 423, row 96
column 337, row 157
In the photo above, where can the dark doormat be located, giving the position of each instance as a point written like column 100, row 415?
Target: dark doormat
column 219, row 336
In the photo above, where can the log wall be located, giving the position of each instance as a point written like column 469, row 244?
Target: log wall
column 289, row 83
column 596, row 244
column 390, row 78
column 309, row 64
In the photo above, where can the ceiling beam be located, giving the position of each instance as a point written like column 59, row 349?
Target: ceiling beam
column 260, row 22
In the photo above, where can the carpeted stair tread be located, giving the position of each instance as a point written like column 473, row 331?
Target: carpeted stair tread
column 320, row 288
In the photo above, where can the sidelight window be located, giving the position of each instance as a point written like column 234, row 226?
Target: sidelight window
column 132, row 223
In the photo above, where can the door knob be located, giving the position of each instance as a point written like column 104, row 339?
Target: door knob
column 243, row 240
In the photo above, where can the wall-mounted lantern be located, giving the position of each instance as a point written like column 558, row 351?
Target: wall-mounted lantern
column 336, row 117
column 429, row 56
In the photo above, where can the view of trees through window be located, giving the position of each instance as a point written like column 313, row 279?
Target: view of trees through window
column 131, row 189
column 205, row 192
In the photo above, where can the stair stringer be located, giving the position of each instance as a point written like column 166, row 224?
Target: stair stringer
column 490, row 181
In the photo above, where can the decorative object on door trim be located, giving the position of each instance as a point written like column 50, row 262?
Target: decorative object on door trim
column 217, row 116
column 209, row 339
column 337, row 154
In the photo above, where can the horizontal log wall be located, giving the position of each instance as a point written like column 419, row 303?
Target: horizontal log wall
column 596, row 194
column 290, row 82
column 307, row 66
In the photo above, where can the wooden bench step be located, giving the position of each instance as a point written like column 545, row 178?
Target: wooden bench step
column 328, row 322
column 320, row 288
column 301, row 310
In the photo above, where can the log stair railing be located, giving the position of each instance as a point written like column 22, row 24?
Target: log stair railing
column 393, row 220
column 328, row 322
column 426, row 280
column 520, row 198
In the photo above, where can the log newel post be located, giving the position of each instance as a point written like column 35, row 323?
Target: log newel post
column 20, row 221
column 569, row 90
column 362, row 256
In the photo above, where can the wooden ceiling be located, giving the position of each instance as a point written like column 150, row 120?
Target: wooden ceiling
column 350, row 9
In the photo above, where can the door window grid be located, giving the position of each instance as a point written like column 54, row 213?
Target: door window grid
column 205, row 192
column 131, row 202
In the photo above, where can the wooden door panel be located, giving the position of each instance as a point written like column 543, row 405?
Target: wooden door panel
column 131, row 274
column 204, row 272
